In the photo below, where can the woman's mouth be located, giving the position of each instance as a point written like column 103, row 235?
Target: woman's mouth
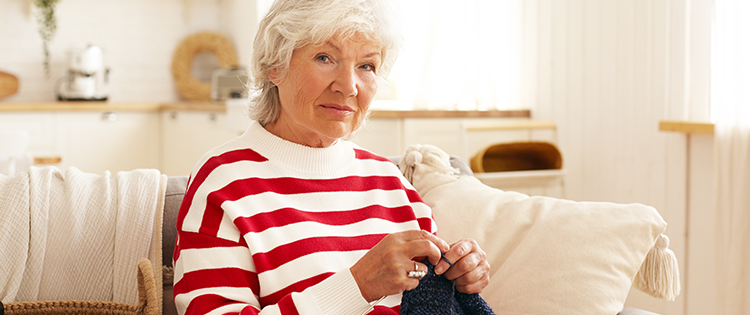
column 337, row 110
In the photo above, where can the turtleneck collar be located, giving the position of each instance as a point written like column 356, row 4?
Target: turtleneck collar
column 297, row 157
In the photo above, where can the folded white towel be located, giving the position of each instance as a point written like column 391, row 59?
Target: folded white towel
column 14, row 233
column 84, row 233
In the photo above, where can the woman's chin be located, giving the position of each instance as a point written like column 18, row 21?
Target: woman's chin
column 337, row 130
column 331, row 138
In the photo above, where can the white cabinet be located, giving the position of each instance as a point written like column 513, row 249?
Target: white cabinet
column 41, row 127
column 187, row 135
column 465, row 137
column 391, row 136
column 91, row 141
column 381, row 136
column 173, row 141
column 116, row 141
column 95, row 141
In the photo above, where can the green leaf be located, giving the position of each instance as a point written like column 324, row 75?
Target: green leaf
column 47, row 26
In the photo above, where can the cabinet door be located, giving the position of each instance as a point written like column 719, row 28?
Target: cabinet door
column 451, row 134
column 116, row 141
column 444, row 133
column 40, row 126
column 187, row 136
column 381, row 136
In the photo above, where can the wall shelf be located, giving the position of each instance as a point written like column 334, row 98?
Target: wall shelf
column 686, row 127
column 220, row 107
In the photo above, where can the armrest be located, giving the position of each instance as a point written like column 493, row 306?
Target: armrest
column 176, row 186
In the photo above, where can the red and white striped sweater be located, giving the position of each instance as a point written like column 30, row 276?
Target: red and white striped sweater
column 268, row 226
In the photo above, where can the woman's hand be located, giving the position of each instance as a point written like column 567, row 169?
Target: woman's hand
column 470, row 267
column 384, row 269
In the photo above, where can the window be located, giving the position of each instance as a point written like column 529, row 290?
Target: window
column 461, row 55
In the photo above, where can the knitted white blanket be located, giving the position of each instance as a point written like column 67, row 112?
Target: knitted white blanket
column 78, row 236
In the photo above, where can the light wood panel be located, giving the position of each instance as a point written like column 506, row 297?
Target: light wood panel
column 512, row 125
column 687, row 126
column 521, row 113
column 78, row 106
column 220, row 107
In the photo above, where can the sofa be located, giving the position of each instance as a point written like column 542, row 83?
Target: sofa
column 175, row 190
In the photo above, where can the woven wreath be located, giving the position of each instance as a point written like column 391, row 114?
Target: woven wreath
column 204, row 42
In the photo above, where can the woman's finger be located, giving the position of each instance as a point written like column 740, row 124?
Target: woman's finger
column 456, row 252
column 421, row 234
column 420, row 270
column 476, row 274
column 464, row 265
column 418, row 249
column 474, row 281
column 469, row 268
column 384, row 269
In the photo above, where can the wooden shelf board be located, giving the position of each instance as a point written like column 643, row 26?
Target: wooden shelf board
column 78, row 106
column 220, row 107
column 523, row 113
column 513, row 125
column 686, row 127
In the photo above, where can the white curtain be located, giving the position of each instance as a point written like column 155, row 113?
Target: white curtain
column 460, row 54
column 730, row 105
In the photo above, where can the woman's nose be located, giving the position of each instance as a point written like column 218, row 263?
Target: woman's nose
column 345, row 82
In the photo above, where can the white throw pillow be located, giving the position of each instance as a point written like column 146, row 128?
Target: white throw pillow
column 547, row 255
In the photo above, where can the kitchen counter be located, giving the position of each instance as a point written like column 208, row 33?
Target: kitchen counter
column 106, row 106
column 219, row 107
column 121, row 136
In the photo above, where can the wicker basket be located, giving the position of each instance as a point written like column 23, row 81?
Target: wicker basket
column 148, row 303
column 517, row 156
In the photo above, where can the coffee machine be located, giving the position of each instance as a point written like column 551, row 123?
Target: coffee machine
column 87, row 77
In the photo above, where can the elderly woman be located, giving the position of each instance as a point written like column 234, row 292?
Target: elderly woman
column 289, row 218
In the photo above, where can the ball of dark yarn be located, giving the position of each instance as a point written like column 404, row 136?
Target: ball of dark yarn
column 437, row 295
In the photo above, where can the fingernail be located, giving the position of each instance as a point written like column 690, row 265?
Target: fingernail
column 439, row 269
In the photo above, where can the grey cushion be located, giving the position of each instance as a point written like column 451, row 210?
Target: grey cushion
column 176, row 186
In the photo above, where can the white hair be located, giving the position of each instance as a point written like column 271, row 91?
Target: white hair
column 291, row 24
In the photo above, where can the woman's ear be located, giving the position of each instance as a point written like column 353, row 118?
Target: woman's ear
column 275, row 76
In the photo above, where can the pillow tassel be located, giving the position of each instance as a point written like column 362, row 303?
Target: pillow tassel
column 659, row 275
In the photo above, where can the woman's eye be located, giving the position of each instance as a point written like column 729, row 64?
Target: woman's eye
column 323, row 58
column 368, row 67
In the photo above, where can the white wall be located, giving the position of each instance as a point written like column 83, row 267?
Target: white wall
column 607, row 71
column 138, row 36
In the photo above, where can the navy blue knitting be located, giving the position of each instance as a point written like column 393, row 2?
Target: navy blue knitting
column 437, row 295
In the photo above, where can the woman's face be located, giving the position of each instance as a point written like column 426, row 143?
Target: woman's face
column 327, row 91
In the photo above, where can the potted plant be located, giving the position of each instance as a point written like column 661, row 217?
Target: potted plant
column 47, row 26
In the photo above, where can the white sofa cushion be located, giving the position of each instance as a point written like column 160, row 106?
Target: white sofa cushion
column 547, row 255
